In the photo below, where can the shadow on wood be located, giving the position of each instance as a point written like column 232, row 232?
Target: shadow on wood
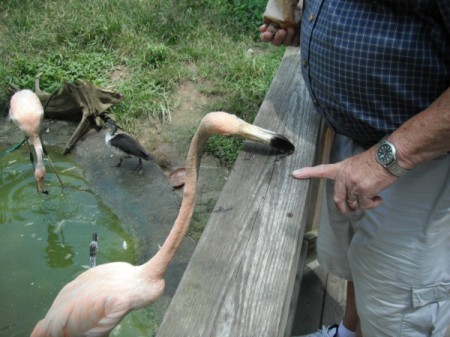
column 321, row 301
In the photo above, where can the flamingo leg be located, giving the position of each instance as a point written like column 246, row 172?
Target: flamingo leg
column 51, row 163
column 30, row 154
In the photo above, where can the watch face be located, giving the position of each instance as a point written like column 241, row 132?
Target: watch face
column 385, row 154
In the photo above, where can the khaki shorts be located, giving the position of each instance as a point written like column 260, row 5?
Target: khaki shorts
column 398, row 254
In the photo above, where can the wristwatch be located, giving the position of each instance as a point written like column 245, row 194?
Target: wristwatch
column 386, row 156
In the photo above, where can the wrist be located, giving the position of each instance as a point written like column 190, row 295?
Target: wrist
column 386, row 155
column 404, row 157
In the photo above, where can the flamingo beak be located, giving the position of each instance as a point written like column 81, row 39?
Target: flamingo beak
column 275, row 140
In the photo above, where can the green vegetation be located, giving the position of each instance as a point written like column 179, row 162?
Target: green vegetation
column 153, row 44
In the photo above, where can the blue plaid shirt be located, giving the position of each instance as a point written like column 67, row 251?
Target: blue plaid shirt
column 371, row 65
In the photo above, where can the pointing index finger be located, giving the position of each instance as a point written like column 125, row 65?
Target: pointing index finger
column 328, row 171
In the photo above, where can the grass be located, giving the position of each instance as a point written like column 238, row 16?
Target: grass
column 156, row 45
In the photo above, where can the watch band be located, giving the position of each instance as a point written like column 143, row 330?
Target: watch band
column 396, row 169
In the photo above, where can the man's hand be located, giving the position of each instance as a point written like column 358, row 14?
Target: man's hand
column 279, row 36
column 358, row 180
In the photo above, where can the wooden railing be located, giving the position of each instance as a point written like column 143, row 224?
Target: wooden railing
column 242, row 279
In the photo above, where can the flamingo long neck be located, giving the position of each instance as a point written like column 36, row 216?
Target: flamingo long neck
column 39, row 154
column 164, row 256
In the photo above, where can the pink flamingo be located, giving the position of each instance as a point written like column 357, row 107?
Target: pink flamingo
column 99, row 298
column 26, row 112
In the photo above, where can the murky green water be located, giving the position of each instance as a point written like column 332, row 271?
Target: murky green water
column 44, row 242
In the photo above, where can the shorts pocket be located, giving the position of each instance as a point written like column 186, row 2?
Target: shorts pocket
column 429, row 311
column 435, row 293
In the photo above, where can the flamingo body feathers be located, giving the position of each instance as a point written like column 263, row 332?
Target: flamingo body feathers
column 95, row 302
column 26, row 112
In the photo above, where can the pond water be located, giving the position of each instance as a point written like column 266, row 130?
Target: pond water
column 44, row 242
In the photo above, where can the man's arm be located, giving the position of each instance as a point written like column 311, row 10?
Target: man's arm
column 360, row 178
column 426, row 135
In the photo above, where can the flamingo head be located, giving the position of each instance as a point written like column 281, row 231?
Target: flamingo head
column 39, row 175
column 227, row 124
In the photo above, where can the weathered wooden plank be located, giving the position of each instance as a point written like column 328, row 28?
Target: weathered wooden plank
column 311, row 300
column 239, row 281
column 323, row 155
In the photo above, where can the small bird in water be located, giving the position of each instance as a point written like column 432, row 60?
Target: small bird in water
column 93, row 249
column 124, row 145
